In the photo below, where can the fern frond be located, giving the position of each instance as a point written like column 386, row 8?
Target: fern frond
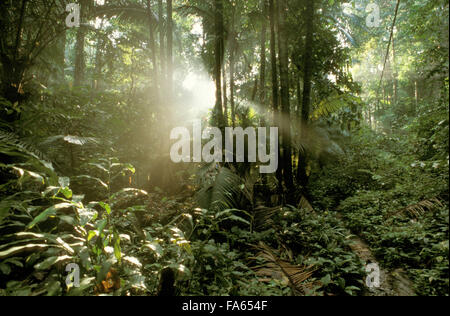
column 12, row 145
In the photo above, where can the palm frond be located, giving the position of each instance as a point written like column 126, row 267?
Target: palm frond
column 263, row 216
column 333, row 103
column 275, row 268
column 71, row 139
column 129, row 12
column 222, row 191
column 419, row 209
column 12, row 145
column 316, row 140
column 304, row 204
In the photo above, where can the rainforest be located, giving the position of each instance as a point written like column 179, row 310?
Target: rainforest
column 318, row 163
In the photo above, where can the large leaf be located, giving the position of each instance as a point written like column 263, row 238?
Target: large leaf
column 51, row 211
column 221, row 193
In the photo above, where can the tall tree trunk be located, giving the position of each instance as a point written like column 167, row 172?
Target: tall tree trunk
column 275, row 95
column 80, row 63
column 394, row 72
column 262, row 80
column 232, row 65
column 13, row 70
column 153, row 49
column 299, row 95
column 170, row 46
column 285, row 98
column 224, row 93
column 62, row 54
column 98, row 60
column 218, row 52
column 416, row 97
column 162, row 50
column 307, row 84
column 273, row 58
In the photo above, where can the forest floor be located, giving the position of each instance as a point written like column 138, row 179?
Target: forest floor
column 392, row 283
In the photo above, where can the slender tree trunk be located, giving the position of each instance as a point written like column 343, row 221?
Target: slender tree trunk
column 299, row 95
column 416, row 97
column 224, row 93
column 218, row 52
column 80, row 63
column 307, row 85
column 153, row 49
column 273, row 57
column 394, row 72
column 162, row 49
column 98, row 60
column 285, row 98
column 255, row 89
column 262, row 80
column 62, row 54
column 275, row 95
column 170, row 46
column 232, row 65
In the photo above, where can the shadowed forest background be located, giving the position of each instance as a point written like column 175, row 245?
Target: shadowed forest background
column 86, row 176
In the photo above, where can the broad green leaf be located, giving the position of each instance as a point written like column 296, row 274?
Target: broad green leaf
column 106, row 207
column 47, row 263
column 156, row 248
column 20, row 249
column 87, row 215
column 5, row 269
column 91, row 235
column 117, row 249
column 51, row 211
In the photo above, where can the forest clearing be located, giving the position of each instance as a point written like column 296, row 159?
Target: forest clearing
column 196, row 148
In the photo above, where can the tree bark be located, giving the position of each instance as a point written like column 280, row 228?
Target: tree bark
column 224, row 93
column 162, row 50
column 153, row 49
column 394, row 73
column 262, row 81
column 218, row 52
column 232, row 65
column 170, row 46
column 98, row 60
column 307, row 85
column 80, row 63
column 285, row 98
column 275, row 95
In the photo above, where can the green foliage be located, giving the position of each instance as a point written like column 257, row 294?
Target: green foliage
column 397, row 197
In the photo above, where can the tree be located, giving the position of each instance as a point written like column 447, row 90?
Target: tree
column 152, row 44
column 80, row 62
column 162, row 50
column 262, row 80
column 307, row 84
column 170, row 46
column 285, row 98
column 218, row 52
column 21, row 44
